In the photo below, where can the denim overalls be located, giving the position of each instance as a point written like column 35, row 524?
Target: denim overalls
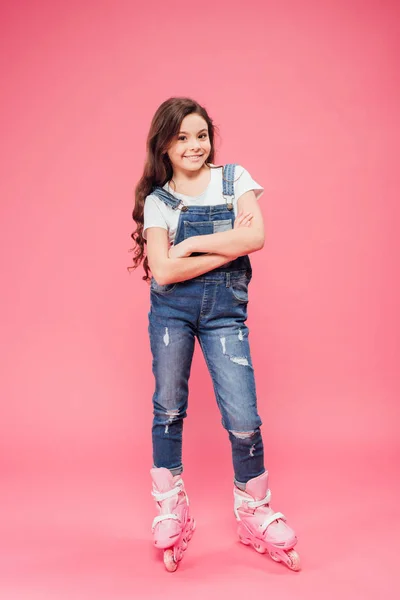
column 212, row 308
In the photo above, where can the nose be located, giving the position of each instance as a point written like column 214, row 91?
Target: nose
column 195, row 145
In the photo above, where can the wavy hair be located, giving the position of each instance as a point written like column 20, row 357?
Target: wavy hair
column 158, row 170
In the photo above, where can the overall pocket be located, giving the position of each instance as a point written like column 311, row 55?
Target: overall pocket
column 162, row 289
column 192, row 228
column 240, row 288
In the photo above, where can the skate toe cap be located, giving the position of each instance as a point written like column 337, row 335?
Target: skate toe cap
column 280, row 534
column 164, row 537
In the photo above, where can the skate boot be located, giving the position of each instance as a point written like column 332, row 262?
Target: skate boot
column 173, row 527
column 261, row 527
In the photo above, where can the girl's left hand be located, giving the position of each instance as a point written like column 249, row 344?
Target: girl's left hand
column 243, row 220
column 181, row 250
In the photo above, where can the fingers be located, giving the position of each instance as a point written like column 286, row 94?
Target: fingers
column 243, row 219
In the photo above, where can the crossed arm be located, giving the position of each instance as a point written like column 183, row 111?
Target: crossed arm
column 170, row 265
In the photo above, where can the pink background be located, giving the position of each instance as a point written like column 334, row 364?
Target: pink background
column 306, row 97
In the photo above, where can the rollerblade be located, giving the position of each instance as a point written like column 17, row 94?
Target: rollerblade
column 261, row 527
column 173, row 527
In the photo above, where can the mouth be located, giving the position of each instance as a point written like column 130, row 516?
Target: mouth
column 194, row 157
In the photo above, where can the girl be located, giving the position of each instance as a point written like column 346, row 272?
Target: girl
column 199, row 222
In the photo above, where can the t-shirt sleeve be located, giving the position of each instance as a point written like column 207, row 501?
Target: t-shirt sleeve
column 153, row 216
column 244, row 183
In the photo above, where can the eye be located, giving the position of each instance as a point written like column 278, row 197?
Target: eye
column 203, row 135
column 181, row 138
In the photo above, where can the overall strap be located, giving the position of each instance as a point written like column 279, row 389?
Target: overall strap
column 166, row 197
column 228, row 180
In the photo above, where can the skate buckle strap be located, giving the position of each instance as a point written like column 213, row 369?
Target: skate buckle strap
column 160, row 496
column 271, row 519
column 264, row 502
column 258, row 503
column 163, row 518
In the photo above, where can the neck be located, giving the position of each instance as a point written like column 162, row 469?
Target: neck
column 191, row 186
column 182, row 178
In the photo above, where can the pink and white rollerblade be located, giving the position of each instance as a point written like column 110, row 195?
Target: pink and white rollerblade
column 261, row 527
column 173, row 527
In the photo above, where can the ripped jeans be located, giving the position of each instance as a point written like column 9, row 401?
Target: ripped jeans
column 213, row 308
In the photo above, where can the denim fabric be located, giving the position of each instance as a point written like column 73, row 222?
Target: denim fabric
column 213, row 309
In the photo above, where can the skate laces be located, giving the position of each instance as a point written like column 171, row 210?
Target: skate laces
column 265, row 502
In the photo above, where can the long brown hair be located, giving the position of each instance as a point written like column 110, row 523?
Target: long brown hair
column 158, row 170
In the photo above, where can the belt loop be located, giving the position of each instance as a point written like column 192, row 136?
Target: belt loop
column 228, row 280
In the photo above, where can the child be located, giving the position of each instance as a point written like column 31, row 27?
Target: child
column 199, row 222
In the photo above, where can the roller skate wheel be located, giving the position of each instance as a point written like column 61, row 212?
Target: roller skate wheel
column 258, row 548
column 169, row 560
column 190, row 531
column 294, row 560
column 244, row 540
column 274, row 556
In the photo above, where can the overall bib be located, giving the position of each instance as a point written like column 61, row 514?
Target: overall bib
column 212, row 308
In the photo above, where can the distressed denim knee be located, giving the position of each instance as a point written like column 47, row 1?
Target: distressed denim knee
column 248, row 455
column 225, row 345
column 167, row 438
column 172, row 347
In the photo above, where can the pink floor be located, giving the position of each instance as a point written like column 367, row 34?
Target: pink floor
column 88, row 536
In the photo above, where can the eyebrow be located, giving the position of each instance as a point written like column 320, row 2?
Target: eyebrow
column 201, row 130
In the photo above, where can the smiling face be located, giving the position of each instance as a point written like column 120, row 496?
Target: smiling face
column 190, row 149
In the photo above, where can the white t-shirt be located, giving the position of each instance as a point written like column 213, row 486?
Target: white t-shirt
column 158, row 214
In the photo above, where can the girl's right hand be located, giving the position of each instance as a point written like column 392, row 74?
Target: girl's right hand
column 243, row 220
